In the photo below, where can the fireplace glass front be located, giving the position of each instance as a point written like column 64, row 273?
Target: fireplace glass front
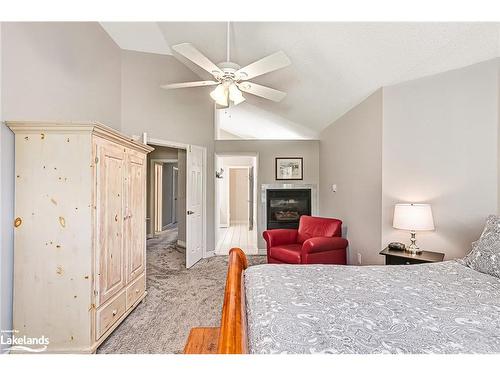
column 285, row 206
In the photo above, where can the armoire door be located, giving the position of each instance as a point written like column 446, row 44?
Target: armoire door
column 110, row 195
column 135, row 219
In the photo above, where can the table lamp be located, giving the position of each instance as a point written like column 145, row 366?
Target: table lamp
column 413, row 217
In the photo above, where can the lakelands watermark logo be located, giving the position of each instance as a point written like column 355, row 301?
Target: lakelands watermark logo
column 16, row 343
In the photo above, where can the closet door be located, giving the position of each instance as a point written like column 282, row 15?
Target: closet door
column 110, row 255
column 135, row 221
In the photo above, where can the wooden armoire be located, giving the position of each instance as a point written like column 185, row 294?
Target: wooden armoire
column 79, row 232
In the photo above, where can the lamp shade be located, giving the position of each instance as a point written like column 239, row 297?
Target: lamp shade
column 220, row 95
column 413, row 216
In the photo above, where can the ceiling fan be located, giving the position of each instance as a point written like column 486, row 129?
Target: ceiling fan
column 230, row 78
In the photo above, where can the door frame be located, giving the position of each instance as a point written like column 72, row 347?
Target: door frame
column 185, row 146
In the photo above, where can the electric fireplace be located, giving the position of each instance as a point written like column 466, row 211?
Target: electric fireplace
column 285, row 206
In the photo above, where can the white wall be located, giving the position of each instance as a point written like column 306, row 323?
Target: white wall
column 267, row 151
column 435, row 140
column 50, row 71
column 351, row 158
column 6, row 212
column 187, row 116
column 440, row 145
column 184, row 116
column 238, row 195
column 60, row 71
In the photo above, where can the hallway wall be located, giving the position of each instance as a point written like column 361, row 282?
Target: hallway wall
column 169, row 202
column 238, row 195
column 159, row 153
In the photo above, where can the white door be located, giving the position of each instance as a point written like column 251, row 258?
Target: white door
column 194, row 205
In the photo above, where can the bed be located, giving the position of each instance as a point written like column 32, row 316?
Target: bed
column 427, row 308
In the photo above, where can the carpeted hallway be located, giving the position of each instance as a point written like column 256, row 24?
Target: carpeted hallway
column 178, row 299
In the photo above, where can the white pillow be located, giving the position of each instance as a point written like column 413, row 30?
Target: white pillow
column 485, row 254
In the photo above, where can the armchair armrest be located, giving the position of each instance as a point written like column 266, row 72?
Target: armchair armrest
column 276, row 237
column 318, row 244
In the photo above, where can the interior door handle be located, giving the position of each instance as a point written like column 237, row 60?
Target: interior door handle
column 190, row 212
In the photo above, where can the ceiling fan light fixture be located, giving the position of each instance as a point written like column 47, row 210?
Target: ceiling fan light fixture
column 230, row 78
column 220, row 95
column 235, row 95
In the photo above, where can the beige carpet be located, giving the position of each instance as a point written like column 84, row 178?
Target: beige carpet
column 178, row 299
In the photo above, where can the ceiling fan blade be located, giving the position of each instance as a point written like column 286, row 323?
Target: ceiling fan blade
column 191, row 53
column 262, row 91
column 182, row 85
column 265, row 65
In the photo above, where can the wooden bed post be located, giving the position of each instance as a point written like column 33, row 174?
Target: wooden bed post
column 233, row 329
column 231, row 336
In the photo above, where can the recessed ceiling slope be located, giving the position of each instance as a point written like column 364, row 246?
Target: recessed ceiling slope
column 337, row 65
column 138, row 36
column 247, row 121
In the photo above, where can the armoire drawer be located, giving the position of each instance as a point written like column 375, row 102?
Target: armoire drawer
column 110, row 313
column 136, row 290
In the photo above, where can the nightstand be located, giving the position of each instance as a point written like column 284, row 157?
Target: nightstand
column 402, row 257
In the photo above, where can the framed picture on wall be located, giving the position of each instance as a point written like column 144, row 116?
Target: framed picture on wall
column 289, row 168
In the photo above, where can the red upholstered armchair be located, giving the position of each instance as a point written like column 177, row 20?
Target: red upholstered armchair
column 317, row 241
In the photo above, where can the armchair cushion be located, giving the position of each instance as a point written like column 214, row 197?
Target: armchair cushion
column 310, row 227
column 318, row 244
column 285, row 253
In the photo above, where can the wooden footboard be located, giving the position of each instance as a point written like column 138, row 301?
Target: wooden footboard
column 233, row 329
column 231, row 336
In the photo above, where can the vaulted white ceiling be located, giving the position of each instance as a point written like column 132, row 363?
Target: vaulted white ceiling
column 337, row 65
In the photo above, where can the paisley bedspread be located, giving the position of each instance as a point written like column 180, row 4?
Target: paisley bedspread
column 426, row 308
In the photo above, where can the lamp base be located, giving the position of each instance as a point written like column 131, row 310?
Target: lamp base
column 413, row 251
column 412, row 248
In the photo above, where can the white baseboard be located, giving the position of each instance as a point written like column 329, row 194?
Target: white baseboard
column 209, row 254
column 247, row 252
column 181, row 243
column 262, row 252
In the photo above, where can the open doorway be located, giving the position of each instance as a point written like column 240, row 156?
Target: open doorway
column 236, row 203
column 179, row 183
column 166, row 195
